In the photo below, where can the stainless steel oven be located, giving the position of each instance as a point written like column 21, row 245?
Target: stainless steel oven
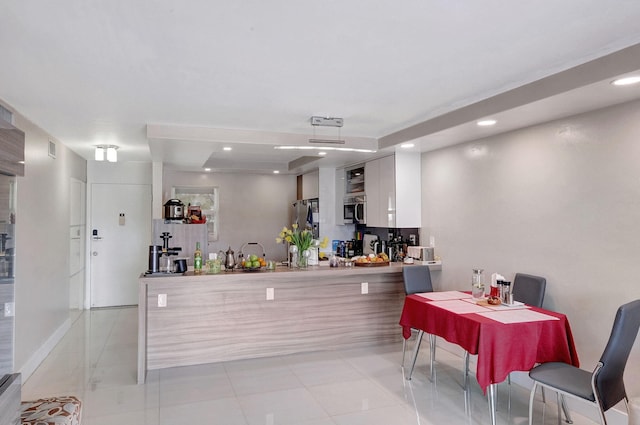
column 355, row 209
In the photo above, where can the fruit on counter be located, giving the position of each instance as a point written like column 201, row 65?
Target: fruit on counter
column 254, row 262
column 372, row 258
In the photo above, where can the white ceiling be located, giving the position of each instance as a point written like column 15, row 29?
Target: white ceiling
column 177, row 81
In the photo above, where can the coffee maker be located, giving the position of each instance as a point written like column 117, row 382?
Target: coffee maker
column 160, row 260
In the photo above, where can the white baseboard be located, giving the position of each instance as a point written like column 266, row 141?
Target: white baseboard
column 40, row 354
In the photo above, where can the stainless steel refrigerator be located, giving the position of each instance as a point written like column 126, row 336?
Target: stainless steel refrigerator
column 306, row 215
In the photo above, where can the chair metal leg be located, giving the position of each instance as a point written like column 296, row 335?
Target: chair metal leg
column 404, row 348
column 559, row 408
column 415, row 354
column 565, row 409
column 562, row 404
column 531, row 397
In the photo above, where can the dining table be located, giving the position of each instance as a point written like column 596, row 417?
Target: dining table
column 505, row 338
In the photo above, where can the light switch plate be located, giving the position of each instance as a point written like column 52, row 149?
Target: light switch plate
column 364, row 288
column 270, row 294
column 9, row 309
column 162, row 300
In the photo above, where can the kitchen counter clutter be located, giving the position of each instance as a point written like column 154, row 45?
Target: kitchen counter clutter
column 195, row 319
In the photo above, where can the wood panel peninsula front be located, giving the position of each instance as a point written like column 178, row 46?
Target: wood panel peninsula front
column 228, row 316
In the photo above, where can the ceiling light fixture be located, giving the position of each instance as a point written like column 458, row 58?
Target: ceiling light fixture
column 227, row 148
column 110, row 151
column 486, row 123
column 407, row 145
column 324, row 148
column 326, row 122
column 276, row 172
column 322, row 153
column 99, row 153
column 626, row 81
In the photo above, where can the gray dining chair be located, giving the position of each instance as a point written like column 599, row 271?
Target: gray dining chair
column 604, row 386
column 529, row 289
column 417, row 279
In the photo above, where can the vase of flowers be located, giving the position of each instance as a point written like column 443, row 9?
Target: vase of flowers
column 299, row 243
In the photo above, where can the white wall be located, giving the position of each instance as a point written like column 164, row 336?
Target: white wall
column 42, row 246
column 253, row 207
column 560, row 200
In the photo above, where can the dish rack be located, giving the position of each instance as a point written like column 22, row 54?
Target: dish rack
column 252, row 244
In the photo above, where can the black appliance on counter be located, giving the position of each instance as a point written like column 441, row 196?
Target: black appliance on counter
column 174, row 210
column 160, row 260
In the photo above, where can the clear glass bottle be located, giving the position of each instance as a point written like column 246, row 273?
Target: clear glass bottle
column 477, row 284
column 197, row 259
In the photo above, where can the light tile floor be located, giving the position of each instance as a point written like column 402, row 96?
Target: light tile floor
column 96, row 361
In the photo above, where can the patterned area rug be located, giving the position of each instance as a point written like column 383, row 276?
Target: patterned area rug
column 51, row 411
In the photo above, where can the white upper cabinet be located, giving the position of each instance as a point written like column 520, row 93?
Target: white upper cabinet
column 380, row 192
column 393, row 191
column 310, row 185
column 408, row 189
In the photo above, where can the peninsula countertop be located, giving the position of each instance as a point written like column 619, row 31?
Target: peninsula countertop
column 323, row 270
column 193, row 319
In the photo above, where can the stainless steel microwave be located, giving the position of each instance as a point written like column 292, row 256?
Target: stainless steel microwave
column 355, row 210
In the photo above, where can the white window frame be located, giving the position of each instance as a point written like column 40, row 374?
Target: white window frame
column 190, row 194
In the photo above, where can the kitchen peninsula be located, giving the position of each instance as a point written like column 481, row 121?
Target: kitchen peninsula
column 238, row 315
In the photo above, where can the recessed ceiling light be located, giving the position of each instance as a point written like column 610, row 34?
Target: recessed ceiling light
column 626, row 81
column 407, row 145
column 323, row 153
column 227, row 148
column 486, row 123
column 276, row 172
column 207, row 169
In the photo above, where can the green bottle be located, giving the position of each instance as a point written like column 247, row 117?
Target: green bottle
column 197, row 259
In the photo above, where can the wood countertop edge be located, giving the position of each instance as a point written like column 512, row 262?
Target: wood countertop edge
column 285, row 273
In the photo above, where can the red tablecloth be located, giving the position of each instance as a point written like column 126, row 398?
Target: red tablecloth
column 501, row 348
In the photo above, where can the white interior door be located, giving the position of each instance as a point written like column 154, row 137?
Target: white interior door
column 120, row 236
